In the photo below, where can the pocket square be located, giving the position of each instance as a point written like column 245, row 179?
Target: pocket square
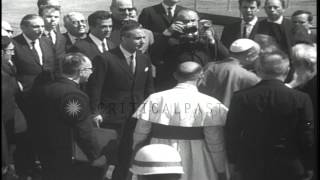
column 146, row 69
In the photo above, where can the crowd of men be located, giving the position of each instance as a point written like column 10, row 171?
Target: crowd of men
column 184, row 103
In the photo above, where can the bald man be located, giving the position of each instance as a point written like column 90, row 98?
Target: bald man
column 189, row 121
column 121, row 11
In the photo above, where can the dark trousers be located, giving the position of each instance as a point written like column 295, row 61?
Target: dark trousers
column 125, row 150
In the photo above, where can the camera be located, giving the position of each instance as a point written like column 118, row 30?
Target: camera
column 190, row 29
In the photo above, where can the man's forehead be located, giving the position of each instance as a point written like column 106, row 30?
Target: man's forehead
column 124, row 4
column 51, row 11
column 76, row 17
column 137, row 32
column 36, row 21
column 274, row 3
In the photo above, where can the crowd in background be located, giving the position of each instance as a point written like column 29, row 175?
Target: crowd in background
column 184, row 103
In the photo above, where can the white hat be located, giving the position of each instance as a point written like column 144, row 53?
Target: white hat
column 157, row 159
column 241, row 45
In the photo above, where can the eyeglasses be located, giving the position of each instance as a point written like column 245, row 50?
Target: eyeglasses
column 125, row 9
column 77, row 23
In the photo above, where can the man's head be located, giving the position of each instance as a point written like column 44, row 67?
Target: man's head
column 171, row 2
column 7, row 49
column 245, row 50
column 75, row 23
column 274, row 9
column 188, row 71
column 132, row 36
column 100, row 24
column 121, row 9
column 273, row 65
column 51, row 16
column 303, row 18
column 32, row 26
column 249, row 9
column 6, row 29
column 188, row 17
column 76, row 66
column 304, row 61
column 157, row 162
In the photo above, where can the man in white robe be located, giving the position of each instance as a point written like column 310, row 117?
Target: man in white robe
column 187, row 120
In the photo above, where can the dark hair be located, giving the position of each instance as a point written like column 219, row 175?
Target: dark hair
column 42, row 3
column 71, row 63
column 250, row 1
column 129, row 26
column 299, row 12
column 98, row 15
column 283, row 3
column 42, row 8
column 5, row 41
column 25, row 20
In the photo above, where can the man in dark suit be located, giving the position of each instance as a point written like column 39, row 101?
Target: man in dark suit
column 33, row 56
column 63, row 119
column 159, row 17
column 187, row 39
column 96, row 42
column 282, row 29
column 269, row 127
column 75, row 24
column 51, row 17
column 304, row 18
column 121, row 11
column 247, row 27
column 122, row 79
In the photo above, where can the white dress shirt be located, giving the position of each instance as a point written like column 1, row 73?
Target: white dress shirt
column 36, row 46
column 98, row 42
column 128, row 55
column 249, row 25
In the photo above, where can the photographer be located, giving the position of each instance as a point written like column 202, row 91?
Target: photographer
column 187, row 39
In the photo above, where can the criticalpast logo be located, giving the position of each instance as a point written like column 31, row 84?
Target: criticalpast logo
column 73, row 108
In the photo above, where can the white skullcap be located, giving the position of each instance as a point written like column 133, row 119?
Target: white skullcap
column 241, row 45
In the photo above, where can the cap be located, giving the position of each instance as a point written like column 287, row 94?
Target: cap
column 157, row 159
column 241, row 45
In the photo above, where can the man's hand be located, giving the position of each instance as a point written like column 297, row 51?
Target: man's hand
column 308, row 175
column 101, row 161
column 98, row 119
column 176, row 26
column 209, row 34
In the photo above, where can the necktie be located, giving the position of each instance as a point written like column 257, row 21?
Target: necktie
column 34, row 51
column 170, row 15
column 244, row 33
column 131, row 65
column 104, row 47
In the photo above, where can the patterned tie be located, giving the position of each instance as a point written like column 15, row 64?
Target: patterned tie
column 104, row 47
column 131, row 65
column 34, row 51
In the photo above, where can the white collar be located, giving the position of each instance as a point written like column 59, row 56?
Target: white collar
column 126, row 53
column 252, row 22
column 36, row 41
column 166, row 7
column 278, row 21
column 96, row 40
column 187, row 86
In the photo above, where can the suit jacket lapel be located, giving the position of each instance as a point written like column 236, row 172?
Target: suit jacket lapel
column 93, row 44
column 254, row 30
column 27, row 48
column 122, row 61
column 162, row 12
